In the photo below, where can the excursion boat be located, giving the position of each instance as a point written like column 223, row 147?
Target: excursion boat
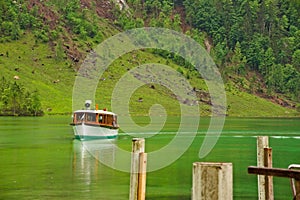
column 94, row 124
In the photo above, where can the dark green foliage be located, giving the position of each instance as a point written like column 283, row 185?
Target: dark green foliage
column 41, row 35
column 259, row 36
column 129, row 22
column 296, row 59
column 267, row 33
column 238, row 60
column 155, row 13
column 16, row 18
column 243, row 35
column 17, row 101
column 78, row 20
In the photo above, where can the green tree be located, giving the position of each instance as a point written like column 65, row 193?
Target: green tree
column 16, row 100
column 291, row 79
column 267, row 63
column 220, row 52
column 203, row 15
column 33, row 104
column 254, row 50
column 16, row 92
column 296, row 59
column 176, row 25
column 278, row 78
column 238, row 60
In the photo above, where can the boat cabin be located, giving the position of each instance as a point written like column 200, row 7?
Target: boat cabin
column 98, row 117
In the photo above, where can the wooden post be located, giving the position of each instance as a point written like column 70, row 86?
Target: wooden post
column 262, row 142
column 138, row 170
column 142, row 176
column 212, row 181
column 269, row 195
column 297, row 183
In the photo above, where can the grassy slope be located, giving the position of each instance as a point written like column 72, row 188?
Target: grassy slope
column 247, row 105
column 239, row 103
column 37, row 68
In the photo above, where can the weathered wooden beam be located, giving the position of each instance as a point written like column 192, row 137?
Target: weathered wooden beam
column 142, row 176
column 138, row 146
column 297, row 187
column 269, row 194
column 279, row 172
column 262, row 142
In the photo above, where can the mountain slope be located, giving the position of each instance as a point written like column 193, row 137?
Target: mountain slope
column 50, row 49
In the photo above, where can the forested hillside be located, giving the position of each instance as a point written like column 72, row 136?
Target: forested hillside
column 255, row 44
column 261, row 36
column 250, row 39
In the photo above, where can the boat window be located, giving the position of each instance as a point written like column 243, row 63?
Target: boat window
column 105, row 119
column 109, row 119
column 79, row 116
column 100, row 119
column 115, row 121
column 90, row 117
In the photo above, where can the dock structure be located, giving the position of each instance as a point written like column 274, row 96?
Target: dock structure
column 214, row 180
column 265, row 172
column 279, row 172
column 211, row 181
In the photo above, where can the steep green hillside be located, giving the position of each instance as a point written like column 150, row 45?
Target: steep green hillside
column 37, row 69
column 47, row 42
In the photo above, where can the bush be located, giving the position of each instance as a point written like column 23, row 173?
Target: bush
column 15, row 100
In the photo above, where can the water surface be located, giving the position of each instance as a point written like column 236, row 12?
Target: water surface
column 40, row 160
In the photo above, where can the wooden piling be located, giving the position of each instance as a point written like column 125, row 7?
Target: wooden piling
column 212, row 181
column 262, row 142
column 297, row 187
column 269, row 195
column 138, row 170
column 142, row 176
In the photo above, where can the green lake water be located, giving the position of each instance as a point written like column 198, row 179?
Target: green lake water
column 40, row 160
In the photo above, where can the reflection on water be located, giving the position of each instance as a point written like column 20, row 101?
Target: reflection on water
column 92, row 178
column 87, row 156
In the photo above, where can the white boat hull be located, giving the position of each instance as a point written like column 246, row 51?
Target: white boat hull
column 84, row 131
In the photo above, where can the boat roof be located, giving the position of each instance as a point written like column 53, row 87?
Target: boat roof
column 95, row 111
